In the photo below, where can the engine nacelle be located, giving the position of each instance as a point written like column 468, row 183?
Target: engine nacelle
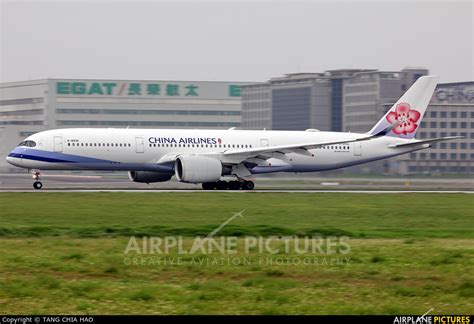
column 148, row 176
column 197, row 169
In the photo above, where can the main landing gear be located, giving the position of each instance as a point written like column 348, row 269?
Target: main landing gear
column 36, row 176
column 229, row 185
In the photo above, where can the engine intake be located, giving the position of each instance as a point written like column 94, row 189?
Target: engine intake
column 197, row 169
column 148, row 176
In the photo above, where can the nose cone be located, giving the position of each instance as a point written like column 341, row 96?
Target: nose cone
column 14, row 159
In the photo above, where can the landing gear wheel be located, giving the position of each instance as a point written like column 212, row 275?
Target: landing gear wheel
column 234, row 185
column 209, row 185
column 37, row 185
column 248, row 185
column 221, row 185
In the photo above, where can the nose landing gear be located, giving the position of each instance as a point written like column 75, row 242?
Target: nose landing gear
column 36, row 176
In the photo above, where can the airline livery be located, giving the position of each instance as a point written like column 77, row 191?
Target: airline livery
column 205, row 156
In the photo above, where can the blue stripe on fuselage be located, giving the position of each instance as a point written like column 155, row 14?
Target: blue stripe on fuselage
column 86, row 163
column 53, row 157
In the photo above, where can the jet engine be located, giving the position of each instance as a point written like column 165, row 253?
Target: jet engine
column 148, row 176
column 197, row 169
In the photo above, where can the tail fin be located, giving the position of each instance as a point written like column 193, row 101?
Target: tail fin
column 404, row 118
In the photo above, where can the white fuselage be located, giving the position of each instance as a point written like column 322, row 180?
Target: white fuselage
column 148, row 149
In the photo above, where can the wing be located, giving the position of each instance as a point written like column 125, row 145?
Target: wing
column 428, row 141
column 236, row 156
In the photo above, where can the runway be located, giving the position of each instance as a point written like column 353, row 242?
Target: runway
column 87, row 182
column 239, row 191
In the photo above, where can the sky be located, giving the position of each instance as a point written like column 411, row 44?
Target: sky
column 232, row 40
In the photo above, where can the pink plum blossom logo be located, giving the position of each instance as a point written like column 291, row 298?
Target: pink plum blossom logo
column 403, row 119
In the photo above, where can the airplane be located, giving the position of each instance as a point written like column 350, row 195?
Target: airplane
column 206, row 156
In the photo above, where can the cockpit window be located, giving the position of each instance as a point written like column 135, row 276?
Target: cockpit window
column 28, row 143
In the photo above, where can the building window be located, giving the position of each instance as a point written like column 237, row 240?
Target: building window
column 423, row 156
column 463, row 114
column 453, row 156
column 433, row 134
column 463, row 156
column 453, row 145
column 454, row 124
column 444, row 114
column 463, row 146
column 433, row 114
column 454, row 114
column 443, row 156
column 432, row 156
column 443, row 145
column 443, row 124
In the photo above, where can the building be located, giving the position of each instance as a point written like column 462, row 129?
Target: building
column 336, row 100
column 296, row 101
column 32, row 106
column 450, row 113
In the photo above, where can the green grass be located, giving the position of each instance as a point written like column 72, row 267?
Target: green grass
column 123, row 214
column 64, row 254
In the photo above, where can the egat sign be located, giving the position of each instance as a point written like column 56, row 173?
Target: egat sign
column 135, row 89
